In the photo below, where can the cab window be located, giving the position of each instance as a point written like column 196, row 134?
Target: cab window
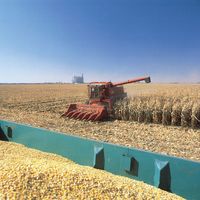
column 94, row 92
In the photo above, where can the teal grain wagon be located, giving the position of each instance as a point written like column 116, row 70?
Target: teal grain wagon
column 176, row 175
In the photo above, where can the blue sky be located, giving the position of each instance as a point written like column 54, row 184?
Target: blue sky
column 51, row 40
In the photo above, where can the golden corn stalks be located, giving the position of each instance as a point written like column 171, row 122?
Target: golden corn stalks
column 160, row 110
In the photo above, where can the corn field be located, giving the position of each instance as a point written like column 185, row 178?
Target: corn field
column 176, row 106
column 160, row 110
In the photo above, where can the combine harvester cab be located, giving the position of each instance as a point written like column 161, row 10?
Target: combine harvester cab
column 101, row 99
column 175, row 175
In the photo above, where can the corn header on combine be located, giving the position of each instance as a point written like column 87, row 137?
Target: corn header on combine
column 101, row 95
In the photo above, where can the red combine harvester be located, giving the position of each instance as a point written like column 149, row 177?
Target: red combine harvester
column 102, row 96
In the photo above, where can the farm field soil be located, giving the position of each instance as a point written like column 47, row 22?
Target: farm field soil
column 41, row 105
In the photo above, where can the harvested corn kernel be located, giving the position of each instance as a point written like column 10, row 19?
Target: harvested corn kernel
column 30, row 174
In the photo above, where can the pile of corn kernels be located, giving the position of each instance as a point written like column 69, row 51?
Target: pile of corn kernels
column 31, row 174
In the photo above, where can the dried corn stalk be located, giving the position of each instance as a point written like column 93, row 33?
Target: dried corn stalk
column 133, row 115
column 140, row 110
column 157, row 112
column 166, row 115
column 186, row 115
column 196, row 115
column 176, row 114
column 149, row 110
